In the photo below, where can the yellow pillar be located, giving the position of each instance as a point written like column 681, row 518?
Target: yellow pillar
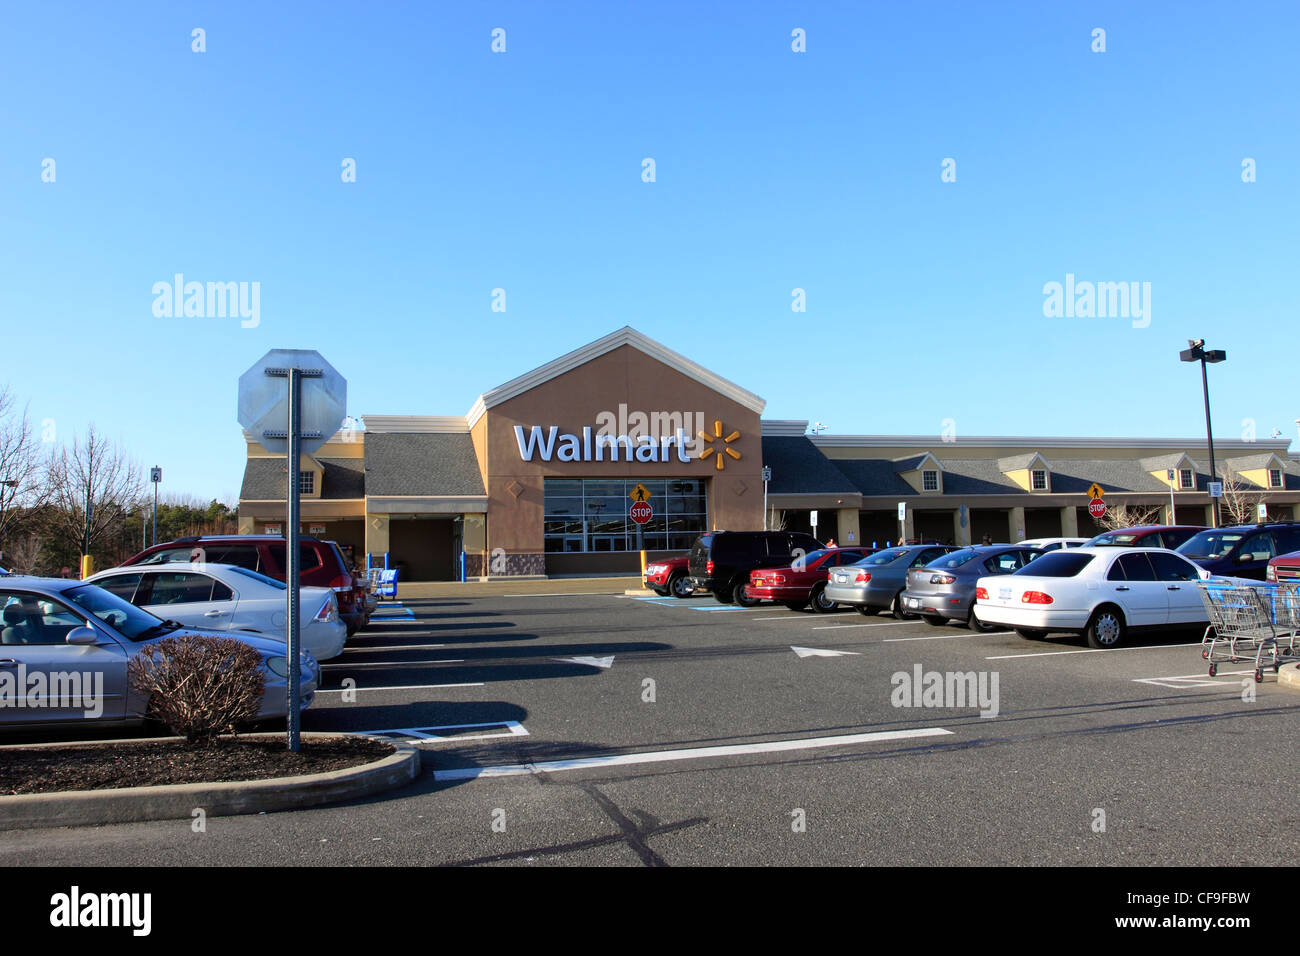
column 87, row 566
column 850, row 534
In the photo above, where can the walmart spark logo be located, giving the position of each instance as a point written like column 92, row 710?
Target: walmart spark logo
column 709, row 448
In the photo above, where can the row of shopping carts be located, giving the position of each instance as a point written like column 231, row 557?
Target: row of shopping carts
column 1251, row 622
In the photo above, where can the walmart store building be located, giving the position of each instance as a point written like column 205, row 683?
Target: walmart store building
column 536, row 478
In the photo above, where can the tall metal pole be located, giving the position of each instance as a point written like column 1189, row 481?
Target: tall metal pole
column 291, row 553
column 155, row 512
column 1209, row 436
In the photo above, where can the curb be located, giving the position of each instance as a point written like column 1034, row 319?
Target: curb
column 178, row 801
column 639, row 592
column 1288, row 675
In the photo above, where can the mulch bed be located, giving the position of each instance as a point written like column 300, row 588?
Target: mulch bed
column 145, row 764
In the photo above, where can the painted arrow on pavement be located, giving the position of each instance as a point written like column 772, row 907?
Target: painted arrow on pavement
column 603, row 662
column 819, row 652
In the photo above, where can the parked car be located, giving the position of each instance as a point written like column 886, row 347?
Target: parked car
column 1146, row 536
column 63, row 629
column 1103, row 593
column 803, row 581
column 876, row 583
column 1053, row 544
column 670, row 576
column 226, row 597
column 1243, row 551
column 363, row 599
column 1285, row 567
column 944, row 590
column 720, row 561
column 320, row 565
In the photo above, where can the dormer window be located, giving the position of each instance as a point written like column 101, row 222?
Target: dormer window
column 1185, row 478
column 306, row 482
column 1275, row 477
column 929, row 481
column 1038, row 480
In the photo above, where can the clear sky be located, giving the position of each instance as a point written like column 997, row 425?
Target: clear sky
column 774, row 170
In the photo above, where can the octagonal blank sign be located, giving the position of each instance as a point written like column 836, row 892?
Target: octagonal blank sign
column 264, row 400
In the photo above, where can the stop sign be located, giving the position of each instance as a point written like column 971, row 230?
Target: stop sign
column 1097, row 508
column 641, row 512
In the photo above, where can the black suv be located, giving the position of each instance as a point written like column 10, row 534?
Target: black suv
column 721, row 560
column 1243, row 551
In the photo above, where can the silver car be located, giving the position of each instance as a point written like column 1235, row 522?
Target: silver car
column 944, row 590
column 64, row 648
column 876, row 583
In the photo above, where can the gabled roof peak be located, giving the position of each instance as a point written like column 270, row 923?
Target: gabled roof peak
column 625, row 336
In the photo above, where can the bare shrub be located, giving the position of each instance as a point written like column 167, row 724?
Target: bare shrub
column 200, row 687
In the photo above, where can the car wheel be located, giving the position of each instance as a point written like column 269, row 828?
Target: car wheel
column 897, row 609
column 975, row 624
column 1029, row 634
column 738, row 595
column 660, row 591
column 820, row 603
column 679, row 585
column 1106, row 627
column 722, row 597
column 934, row 621
column 796, row 605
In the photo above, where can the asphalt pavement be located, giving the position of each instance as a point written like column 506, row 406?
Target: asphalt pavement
column 597, row 729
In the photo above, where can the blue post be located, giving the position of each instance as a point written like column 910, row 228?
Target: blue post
column 386, row 568
column 462, row 567
column 367, row 563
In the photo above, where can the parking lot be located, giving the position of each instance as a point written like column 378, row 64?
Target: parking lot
column 602, row 728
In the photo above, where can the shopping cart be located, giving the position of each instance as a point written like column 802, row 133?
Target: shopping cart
column 1249, row 622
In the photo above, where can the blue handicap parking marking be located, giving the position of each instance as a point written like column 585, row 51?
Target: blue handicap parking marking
column 392, row 613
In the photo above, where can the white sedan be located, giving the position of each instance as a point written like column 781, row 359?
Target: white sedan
column 229, row 598
column 1099, row 592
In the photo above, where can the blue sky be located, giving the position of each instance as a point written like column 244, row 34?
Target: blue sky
column 775, row 170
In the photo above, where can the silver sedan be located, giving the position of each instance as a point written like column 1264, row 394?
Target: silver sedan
column 876, row 583
column 64, row 649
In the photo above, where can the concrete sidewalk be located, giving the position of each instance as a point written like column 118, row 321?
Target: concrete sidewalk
column 415, row 590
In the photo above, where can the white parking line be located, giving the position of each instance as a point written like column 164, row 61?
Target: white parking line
column 1200, row 679
column 559, row 594
column 358, row 690
column 938, row 637
column 839, row 627
column 1088, row 650
column 426, row 734
column 350, row 667
column 694, row 753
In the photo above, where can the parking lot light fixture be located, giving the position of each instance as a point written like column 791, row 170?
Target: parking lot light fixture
column 1198, row 353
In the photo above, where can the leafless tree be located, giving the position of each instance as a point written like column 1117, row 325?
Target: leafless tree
column 20, row 465
column 1238, row 503
column 775, row 520
column 92, row 473
column 1127, row 516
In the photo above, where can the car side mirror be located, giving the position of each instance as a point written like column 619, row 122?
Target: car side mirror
column 1244, row 557
column 82, row 635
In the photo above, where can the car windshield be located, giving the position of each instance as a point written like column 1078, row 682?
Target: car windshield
column 125, row 618
column 881, row 557
column 954, row 559
column 1056, row 564
column 1114, row 539
column 1210, row 544
column 269, row 582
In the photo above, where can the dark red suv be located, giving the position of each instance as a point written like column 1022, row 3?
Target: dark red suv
column 320, row 565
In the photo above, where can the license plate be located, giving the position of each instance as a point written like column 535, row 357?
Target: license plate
column 758, row 582
column 1004, row 594
column 911, row 602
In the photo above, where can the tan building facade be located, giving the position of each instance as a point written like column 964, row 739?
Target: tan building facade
column 539, row 477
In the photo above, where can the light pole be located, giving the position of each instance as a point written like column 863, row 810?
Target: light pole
column 1197, row 353
column 155, row 475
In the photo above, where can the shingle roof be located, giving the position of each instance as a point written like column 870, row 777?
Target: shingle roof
column 873, row 476
column 799, row 468
column 422, row 464
column 1017, row 462
column 1250, row 462
column 265, row 479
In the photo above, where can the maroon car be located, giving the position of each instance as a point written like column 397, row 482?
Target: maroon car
column 320, row 563
column 1146, row 536
column 803, row 581
column 669, row 576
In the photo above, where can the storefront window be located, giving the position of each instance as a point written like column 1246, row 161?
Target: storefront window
column 592, row 514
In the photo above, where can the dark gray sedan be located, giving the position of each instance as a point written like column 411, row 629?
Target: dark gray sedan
column 876, row 583
column 944, row 590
